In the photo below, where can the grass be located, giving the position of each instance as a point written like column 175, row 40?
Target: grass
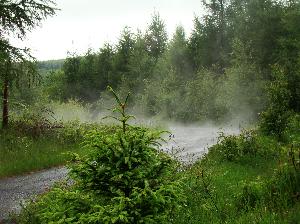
column 23, row 150
column 32, row 155
column 221, row 191
column 21, row 154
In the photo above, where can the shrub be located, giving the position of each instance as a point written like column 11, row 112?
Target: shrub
column 228, row 147
column 233, row 148
column 292, row 133
column 123, row 178
column 275, row 119
column 249, row 142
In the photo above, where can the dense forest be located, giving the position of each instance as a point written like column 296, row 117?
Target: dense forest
column 219, row 72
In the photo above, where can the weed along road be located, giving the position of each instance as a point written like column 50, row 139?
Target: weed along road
column 14, row 190
column 188, row 139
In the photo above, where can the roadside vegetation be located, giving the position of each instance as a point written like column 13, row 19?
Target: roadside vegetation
column 123, row 177
column 250, row 178
column 29, row 147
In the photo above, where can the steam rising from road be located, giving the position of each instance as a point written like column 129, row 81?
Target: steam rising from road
column 191, row 141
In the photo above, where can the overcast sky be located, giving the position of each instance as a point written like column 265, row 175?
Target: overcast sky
column 81, row 24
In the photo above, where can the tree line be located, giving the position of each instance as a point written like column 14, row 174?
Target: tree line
column 222, row 70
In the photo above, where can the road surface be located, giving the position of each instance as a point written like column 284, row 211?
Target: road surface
column 14, row 190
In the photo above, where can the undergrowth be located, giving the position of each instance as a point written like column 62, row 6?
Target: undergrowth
column 123, row 177
column 250, row 178
column 30, row 145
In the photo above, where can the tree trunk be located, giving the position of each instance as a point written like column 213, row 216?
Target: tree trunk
column 222, row 36
column 5, row 104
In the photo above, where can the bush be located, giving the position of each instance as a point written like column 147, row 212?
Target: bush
column 292, row 133
column 233, row 148
column 275, row 119
column 123, row 178
column 228, row 147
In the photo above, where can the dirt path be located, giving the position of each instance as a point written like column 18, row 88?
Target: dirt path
column 14, row 190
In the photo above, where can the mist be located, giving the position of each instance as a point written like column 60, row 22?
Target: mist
column 185, row 141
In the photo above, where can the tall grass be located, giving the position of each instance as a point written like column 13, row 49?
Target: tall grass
column 258, row 187
column 28, row 147
column 22, row 154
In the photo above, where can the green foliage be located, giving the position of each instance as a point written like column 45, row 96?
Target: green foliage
column 156, row 37
column 120, row 108
column 201, row 97
column 38, row 144
column 18, row 18
column 125, row 168
column 278, row 192
column 241, row 92
column 53, row 85
column 250, row 197
column 219, row 71
column 126, row 160
column 178, row 54
column 292, row 131
column 65, row 205
column 208, row 44
column 228, row 146
column 33, row 121
column 234, row 148
column 72, row 110
column 261, row 189
column 284, row 186
column 122, row 178
column 275, row 119
column 50, row 66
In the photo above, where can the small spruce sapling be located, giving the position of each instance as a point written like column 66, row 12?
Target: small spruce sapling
column 120, row 108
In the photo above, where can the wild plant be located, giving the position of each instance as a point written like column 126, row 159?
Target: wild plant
column 233, row 148
column 204, row 185
column 122, row 178
column 228, row 147
column 275, row 119
column 120, row 108
column 251, row 196
column 284, row 186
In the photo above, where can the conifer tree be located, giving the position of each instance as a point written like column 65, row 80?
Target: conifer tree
column 16, row 19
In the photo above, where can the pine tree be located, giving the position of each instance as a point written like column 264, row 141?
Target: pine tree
column 156, row 37
column 17, row 18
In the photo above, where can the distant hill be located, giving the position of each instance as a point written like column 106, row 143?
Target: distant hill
column 50, row 65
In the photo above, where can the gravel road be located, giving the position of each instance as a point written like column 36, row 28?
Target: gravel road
column 191, row 142
column 14, row 190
